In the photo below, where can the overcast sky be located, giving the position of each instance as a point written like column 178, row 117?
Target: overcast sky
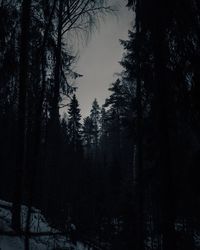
column 99, row 58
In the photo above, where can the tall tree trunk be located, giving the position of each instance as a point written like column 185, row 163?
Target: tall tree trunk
column 165, row 171
column 33, row 164
column 35, row 146
column 139, row 147
column 23, row 81
column 54, row 130
column 37, row 128
column 55, row 107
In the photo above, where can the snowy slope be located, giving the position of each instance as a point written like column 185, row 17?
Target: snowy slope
column 38, row 224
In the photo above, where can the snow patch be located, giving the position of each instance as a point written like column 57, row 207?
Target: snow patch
column 38, row 224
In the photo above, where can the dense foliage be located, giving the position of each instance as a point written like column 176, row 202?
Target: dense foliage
column 127, row 175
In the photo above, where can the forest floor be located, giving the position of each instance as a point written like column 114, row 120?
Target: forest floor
column 38, row 224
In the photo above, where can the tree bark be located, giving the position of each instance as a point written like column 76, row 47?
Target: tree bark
column 23, row 82
column 139, row 145
column 164, row 163
column 55, row 105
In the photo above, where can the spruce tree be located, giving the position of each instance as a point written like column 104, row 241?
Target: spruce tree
column 95, row 116
column 74, row 124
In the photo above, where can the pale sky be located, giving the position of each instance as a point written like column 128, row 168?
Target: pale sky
column 99, row 59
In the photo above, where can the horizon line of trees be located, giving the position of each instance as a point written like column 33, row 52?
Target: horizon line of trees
column 128, row 177
column 35, row 78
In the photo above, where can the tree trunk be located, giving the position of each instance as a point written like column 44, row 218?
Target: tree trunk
column 54, row 130
column 165, row 172
column 23, row 81
column 139, row 145
column 55, row 104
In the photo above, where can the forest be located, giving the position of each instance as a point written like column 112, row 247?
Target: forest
column 126, row 177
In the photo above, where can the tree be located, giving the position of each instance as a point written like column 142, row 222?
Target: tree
column 95, row 116
column 74, row 124
column 162, row 25
column 23, row 82
column 87, row 134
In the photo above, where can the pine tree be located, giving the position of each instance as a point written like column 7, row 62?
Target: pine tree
column 74, row 124
column 95, row 116
column 87, row 135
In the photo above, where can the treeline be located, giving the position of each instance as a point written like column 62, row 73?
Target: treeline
column 145, row 152
column 128, row 176
column 159, row 85
column 36, row 76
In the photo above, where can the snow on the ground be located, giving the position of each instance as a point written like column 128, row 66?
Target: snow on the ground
column 38, row 224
